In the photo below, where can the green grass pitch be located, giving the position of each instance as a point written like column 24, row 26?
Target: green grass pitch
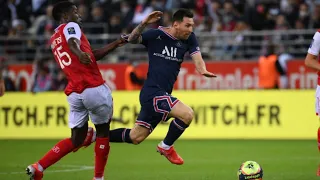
column 204, row 160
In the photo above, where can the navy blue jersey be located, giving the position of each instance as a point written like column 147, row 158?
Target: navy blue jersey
column 165, row 54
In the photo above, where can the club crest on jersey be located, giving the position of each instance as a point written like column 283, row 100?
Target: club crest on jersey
column 71, row 30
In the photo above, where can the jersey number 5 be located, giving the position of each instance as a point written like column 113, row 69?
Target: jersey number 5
column 60, row 55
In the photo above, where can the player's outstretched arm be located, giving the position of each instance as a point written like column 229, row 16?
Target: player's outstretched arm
column 135, row 36
column 100, row 53
column 201, row 66
column 2, row 87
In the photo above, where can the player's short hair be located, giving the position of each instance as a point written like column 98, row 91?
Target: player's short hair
column 180, row 14
column 60, row 8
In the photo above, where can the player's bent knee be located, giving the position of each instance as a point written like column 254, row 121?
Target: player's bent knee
column 188, row 116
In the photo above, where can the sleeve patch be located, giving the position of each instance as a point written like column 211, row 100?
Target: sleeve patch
column 71, row 30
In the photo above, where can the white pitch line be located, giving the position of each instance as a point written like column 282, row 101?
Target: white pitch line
column 75, row 168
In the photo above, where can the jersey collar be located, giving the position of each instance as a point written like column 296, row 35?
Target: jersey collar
column 161, row 28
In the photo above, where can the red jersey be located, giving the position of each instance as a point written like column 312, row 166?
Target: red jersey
column 80, row 76
column 314, row 49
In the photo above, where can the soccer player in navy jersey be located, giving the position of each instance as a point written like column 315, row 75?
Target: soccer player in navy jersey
column 166, row 48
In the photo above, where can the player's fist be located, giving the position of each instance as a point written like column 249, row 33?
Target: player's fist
column 85, row 58
column 2, row 88
column 208, row 74
column 152, row 17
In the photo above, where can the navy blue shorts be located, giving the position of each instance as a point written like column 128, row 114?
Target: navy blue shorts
column 156, row 110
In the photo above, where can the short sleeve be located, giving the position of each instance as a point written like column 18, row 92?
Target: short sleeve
column 148, row 36
column 72, row 30
column 193, row 45
column 315, row 45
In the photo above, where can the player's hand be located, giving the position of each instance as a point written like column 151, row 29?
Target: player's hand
column 152, row 17
column 85, row 58
column 208, row 74
column 123, row 40
column 2, row 88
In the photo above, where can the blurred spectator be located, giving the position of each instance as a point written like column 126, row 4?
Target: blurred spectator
column 141, row 11
column 281, row 23
column 158, row 5
column 98, row 19
column 292, row 12
column 228, row 16
column 315, row 18
column 114, row 25
column 20, row 19
column 234, row 43
column 127, row 13
column 188, row 4
column 5, row 18
column 60, row 82
column 299, row 40
column 38, row 7
column 20, row 9
column 281, row 64
column 132, row 79
column 268, row 72
column 8, row 82
column 15, row 46
column 255, row 17
column 43, row 80
column 214, row 12
column 304, row 15
column 83, row 12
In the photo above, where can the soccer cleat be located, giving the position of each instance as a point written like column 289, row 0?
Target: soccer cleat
column 34, row 172
column 91, row 137
column 171, row 155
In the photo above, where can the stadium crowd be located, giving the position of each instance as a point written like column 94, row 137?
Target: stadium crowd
column 21, row 19
column 34, row 16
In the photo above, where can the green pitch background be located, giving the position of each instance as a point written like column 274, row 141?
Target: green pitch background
column 204, row 160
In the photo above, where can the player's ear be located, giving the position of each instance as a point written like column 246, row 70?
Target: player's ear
column 175, row 24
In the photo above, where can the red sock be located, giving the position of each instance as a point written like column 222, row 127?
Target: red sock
column 101, row 156
column 61, row 149
column 319, row 138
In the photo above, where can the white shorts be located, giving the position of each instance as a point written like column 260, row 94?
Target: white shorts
column 317, row 97
column 94, row 102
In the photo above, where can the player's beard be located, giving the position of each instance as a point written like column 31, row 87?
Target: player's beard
column 186, row 36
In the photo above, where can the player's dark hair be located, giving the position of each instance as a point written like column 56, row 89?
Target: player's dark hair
column 180, row 14
column 60, row 8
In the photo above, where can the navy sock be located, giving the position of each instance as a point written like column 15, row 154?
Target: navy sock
column 176, row 128
column 120, row 135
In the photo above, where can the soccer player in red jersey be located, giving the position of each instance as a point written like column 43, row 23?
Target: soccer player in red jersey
column 87, row 93
column 313, row 61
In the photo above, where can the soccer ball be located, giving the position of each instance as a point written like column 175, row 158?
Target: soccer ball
column 250, row 170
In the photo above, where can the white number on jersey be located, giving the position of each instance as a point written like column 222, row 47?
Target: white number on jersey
column 61, row 56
